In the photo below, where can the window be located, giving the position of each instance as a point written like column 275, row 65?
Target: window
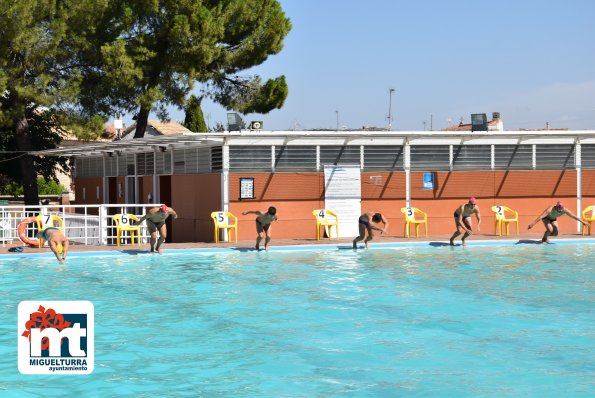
column 555, row 157
column 251, row 158
column 145, row 163
column 163, row 163
column 383, row 158
column 338, row 155
column 513, row 157
column 472, row 157
column 295, row 158
column 430, row 157
column 588, row 156
column 216, row 158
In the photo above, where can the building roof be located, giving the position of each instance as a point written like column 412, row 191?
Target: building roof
column 108, row 135
column 156, row 128
column 467, row 126
column 281, row 138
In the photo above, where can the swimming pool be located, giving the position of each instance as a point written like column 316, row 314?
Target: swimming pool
column 414, row 321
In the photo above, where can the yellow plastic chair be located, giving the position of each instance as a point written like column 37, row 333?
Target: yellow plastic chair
column 328, row 219
column 44, row 221
column 225, row 220
column 410, row 219
column 124, row 224
column 505, row 215
column 588, row 220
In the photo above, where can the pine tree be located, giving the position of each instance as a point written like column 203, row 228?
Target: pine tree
column 195, row 120
column 39, row 77
column 159, row 50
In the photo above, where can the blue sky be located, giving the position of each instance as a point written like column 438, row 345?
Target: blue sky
column 531, row 60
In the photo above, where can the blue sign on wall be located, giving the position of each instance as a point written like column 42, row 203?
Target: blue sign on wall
column 428, row 182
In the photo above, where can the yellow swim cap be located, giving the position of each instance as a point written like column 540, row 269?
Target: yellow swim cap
column 59, row 248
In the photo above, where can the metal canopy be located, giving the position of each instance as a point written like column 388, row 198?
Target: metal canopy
column 249, row 138
column 138, row 145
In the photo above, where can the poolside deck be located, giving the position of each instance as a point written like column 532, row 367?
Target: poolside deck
column 291, row 242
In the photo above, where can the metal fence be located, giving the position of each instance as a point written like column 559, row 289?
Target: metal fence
column 83, row 224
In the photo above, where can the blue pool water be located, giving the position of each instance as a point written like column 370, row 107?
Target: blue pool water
column 495, row 321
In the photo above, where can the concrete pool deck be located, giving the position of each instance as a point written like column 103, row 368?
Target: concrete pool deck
column 343, row 242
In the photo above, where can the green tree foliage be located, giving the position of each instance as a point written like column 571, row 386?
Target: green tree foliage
column 46, row 187
column 44, row 132
column 158, row 50
column 39, row 78
column 194, row 119
column 219, row 127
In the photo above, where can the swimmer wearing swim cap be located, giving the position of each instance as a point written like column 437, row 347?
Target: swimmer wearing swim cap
column 549, row 218
column 57, row 242
column 156, row 217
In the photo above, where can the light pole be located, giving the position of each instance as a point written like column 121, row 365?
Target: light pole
column 390, row 102
column 118, row 125
column 337, row 112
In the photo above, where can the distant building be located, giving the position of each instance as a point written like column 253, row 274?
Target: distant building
column 156, row 128
column 493, row 125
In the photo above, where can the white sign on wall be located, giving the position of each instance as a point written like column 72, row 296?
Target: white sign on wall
column 343, row 195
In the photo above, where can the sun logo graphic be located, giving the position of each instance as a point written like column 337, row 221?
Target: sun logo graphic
column 56, row 337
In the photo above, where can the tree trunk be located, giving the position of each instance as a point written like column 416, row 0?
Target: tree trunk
column 141, row 122
column 26, row 162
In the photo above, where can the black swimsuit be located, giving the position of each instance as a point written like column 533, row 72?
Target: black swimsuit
column 155, row 225
column 363, row 221
column 44, row 233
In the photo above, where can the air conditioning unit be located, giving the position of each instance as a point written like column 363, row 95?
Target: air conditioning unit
column 256, row 125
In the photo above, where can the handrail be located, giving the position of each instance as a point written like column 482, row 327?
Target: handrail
column 83, row 224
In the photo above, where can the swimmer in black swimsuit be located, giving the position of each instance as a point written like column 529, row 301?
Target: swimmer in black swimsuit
column 368, row 222
column 549, row 218
column 57, row 242
column 156, row 217
column 463, row 220
column 263, row 225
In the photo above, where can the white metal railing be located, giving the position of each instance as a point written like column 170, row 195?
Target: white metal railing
column 83, row 224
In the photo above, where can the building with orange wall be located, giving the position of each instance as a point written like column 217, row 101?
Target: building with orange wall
column 297, row 172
